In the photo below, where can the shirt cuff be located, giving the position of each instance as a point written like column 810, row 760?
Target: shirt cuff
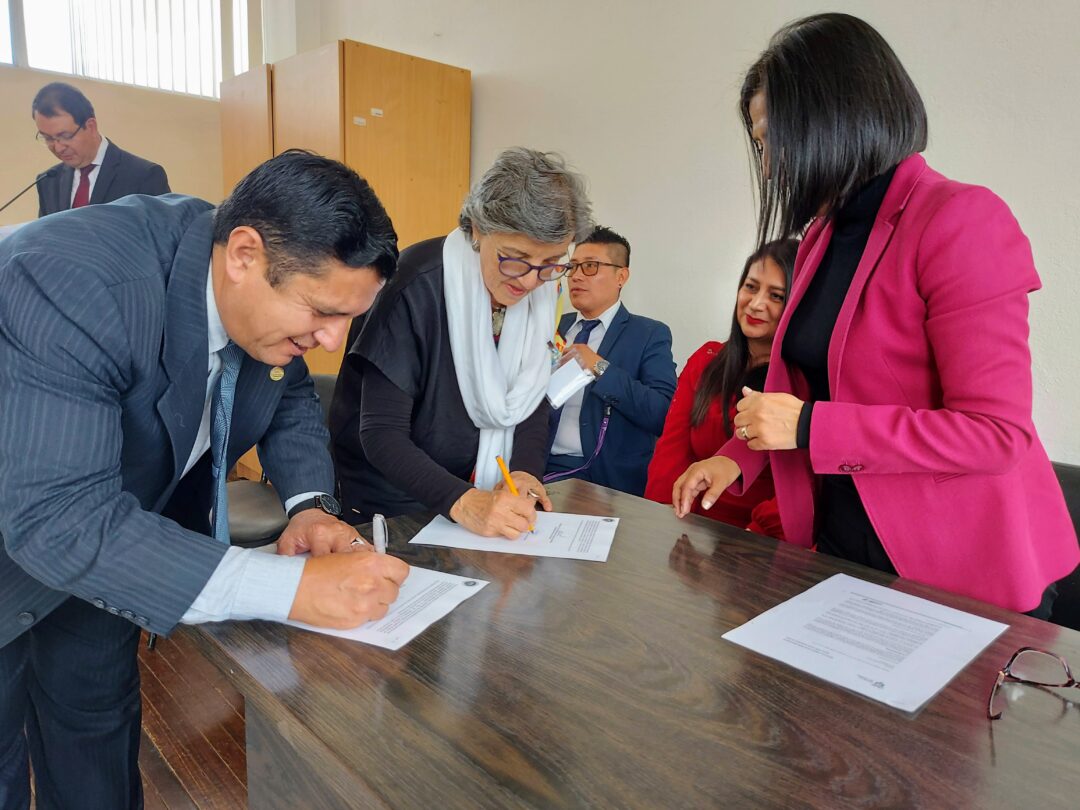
column 303, row 496
column 802, row 432
column 248, row 584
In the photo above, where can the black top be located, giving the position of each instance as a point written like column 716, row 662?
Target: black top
column 401, row 437
column 842, row 526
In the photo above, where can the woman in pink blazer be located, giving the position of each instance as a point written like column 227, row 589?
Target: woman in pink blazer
column 896, row 414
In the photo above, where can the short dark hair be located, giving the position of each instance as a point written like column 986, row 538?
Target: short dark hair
column 841, row 110
column 726, row 373
column 308, row 209
column 57, row 98
column 605, row 236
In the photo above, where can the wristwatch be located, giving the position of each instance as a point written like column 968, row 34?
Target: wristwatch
column 599, row 367
column 328, row 503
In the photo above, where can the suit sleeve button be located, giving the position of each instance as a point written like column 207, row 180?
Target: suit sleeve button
column 127, row 614
column 98, row 603
column 26, row 618
column 856, row 468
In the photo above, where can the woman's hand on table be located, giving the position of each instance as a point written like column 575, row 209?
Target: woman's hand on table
column 710, row 476
column 495, row 513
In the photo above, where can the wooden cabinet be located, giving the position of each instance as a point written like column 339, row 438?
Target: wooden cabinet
column 400, row 121
column 247, row 132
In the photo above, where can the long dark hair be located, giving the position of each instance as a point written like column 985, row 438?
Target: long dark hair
column 726, row 373
column 841, row 110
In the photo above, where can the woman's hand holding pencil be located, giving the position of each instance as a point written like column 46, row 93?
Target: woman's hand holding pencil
column 527, row 484
column 504, row 511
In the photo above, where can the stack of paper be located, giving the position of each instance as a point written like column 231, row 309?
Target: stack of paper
column 574, row 537
column 425, row 597
column 881, row 643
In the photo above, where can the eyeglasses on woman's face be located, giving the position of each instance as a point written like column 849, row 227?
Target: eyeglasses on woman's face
column 1031, row 666
column 516, row 268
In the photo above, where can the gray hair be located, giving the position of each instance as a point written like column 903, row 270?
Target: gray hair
column 529, row 192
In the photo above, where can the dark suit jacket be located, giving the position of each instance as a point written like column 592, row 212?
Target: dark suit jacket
column 103, row 364
column 121, row 173
column 638, row 386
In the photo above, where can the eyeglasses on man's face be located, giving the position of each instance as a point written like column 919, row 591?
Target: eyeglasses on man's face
column 63, row 137
column 590, row 267
column 516, row 268
column 1031, row 666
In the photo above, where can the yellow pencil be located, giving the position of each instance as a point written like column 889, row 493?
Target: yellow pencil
column 510, row 482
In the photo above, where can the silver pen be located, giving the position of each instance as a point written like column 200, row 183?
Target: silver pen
column 378, row 529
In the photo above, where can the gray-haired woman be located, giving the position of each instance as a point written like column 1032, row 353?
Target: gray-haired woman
column 450, row 367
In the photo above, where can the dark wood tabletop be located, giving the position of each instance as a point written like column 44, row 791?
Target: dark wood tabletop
column 569, row 684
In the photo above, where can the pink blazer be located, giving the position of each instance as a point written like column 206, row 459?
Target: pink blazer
column 930, row 375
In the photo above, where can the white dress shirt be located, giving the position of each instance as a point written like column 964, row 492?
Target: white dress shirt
column 93, row 174
column 568, row 436
column 247, row 584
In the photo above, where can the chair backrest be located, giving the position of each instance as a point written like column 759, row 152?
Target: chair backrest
column 1069, row 477
column 256, row 517
column 1066, row 610
column 324, row 387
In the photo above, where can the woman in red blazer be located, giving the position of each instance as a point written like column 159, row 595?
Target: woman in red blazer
column 699, row 420
column 897, row 418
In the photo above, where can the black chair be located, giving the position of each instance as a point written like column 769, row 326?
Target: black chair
column 256, row 517
column 1066, row 610
column 324, row 387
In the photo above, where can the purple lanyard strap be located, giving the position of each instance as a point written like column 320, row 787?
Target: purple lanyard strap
column 555, row 476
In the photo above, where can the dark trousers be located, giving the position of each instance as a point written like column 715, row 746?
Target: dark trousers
column 69, row 698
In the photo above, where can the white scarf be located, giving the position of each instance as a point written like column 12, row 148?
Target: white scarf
column 501, row 386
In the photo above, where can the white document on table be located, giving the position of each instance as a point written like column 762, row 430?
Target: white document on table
column 575, row 537
column 889, row 646
column 425, row 597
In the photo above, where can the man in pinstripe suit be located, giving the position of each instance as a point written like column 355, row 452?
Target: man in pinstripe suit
column 114, row 320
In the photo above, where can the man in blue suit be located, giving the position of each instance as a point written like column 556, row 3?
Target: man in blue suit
column 144, row 345
column 606, row 432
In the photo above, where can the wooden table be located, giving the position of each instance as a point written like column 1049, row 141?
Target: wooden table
column 572, row 684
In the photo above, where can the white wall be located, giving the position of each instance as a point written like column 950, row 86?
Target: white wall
column 642, row 100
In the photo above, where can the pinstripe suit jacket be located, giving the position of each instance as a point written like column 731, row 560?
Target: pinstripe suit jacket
column 103, row 364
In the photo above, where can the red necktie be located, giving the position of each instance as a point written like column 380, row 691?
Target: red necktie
column 82, row 193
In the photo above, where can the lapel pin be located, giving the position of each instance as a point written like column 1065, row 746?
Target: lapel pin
column 277, row 373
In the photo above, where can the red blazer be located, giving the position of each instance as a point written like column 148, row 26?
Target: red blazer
column 681, row 444
column 930, row 375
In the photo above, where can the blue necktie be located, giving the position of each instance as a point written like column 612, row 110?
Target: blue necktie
column 231, row 358
column 586, row 330
column 556, row 416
